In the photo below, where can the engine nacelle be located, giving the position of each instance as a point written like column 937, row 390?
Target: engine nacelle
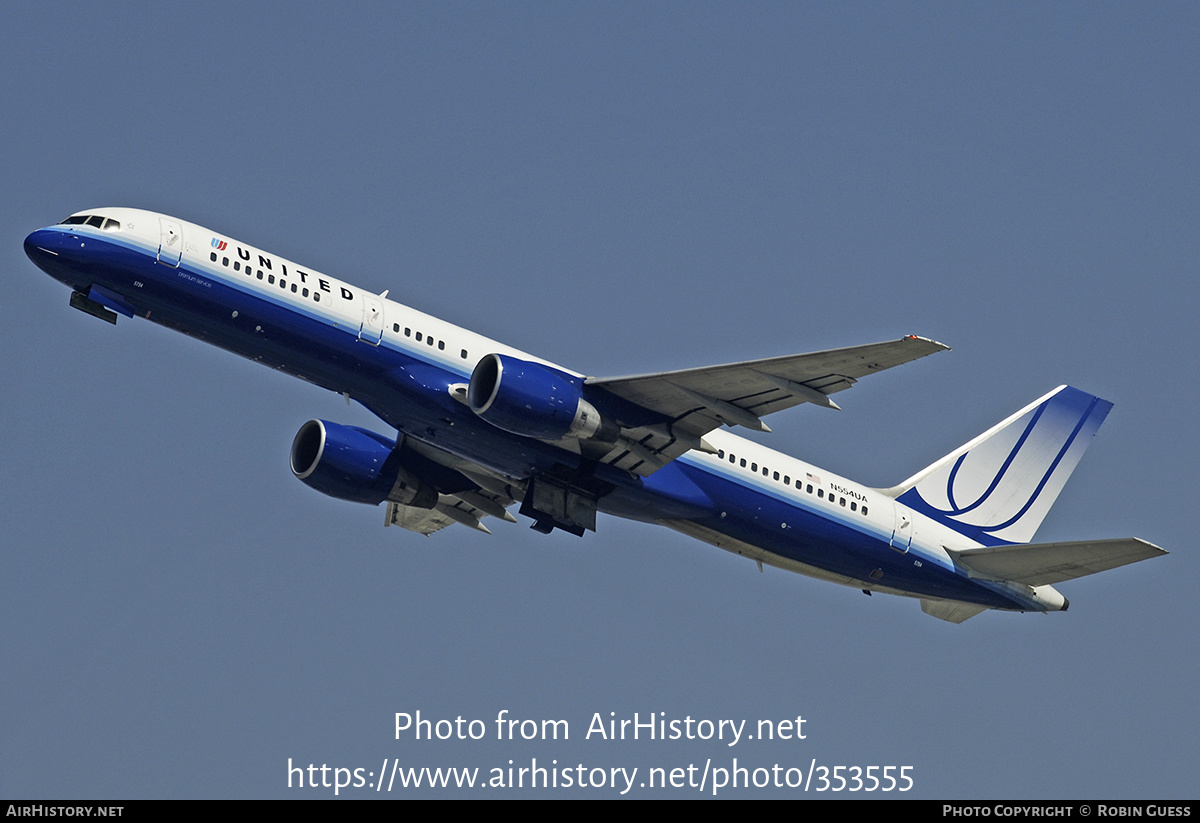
column 354, row 464
column 536, row 401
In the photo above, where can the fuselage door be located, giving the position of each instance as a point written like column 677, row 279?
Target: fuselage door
column 170, row 242
column 371, row 330
column 902, row 530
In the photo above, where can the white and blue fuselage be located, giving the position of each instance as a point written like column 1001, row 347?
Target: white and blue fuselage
column 414, row 371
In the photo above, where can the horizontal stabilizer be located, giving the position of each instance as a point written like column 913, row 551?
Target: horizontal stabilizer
column 950, row 610
column 1041, row 564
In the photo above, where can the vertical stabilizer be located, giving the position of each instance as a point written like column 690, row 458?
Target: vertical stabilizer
column 998, row 488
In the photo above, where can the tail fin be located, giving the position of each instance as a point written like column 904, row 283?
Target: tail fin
column 997, row 488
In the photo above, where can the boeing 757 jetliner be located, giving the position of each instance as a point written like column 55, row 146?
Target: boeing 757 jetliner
column 476, row 427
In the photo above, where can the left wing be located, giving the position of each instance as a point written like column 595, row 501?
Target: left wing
column 740, row 394
column 466, row 493
column 467, row 507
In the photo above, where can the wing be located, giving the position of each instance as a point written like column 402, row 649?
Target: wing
column 422, row 521
column 466, row 493
column 466, row 507
column 696, row 401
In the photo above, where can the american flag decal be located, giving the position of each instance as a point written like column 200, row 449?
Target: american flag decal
column 219, row 245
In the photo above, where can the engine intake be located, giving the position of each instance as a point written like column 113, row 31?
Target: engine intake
column 536, row 401
column 355, row 464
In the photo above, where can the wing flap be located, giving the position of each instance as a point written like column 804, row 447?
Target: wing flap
column 1040, row 564
column 467, row 494
column 421, row 521
column 468, row 508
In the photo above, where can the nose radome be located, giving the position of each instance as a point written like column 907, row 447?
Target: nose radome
column 40, row 245
column 57, row 253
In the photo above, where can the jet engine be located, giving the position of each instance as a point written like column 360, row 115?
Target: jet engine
column 354, row 464
column 536, row 401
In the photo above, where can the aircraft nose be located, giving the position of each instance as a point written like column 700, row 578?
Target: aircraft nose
column 42, row 246
column 56, row 252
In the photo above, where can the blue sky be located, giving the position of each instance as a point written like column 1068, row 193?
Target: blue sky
column 621, row 188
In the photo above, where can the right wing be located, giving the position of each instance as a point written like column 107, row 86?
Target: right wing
column 696, row 401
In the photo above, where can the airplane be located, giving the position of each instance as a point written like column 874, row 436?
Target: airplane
column 480, row 427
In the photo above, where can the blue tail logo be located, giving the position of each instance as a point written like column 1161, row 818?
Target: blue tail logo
column 998, row 488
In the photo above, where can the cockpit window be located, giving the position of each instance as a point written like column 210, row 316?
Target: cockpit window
column 102, row 223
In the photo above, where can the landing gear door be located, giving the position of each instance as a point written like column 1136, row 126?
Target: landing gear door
column 170, row 242
column 902, row 530
column 371, row 330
